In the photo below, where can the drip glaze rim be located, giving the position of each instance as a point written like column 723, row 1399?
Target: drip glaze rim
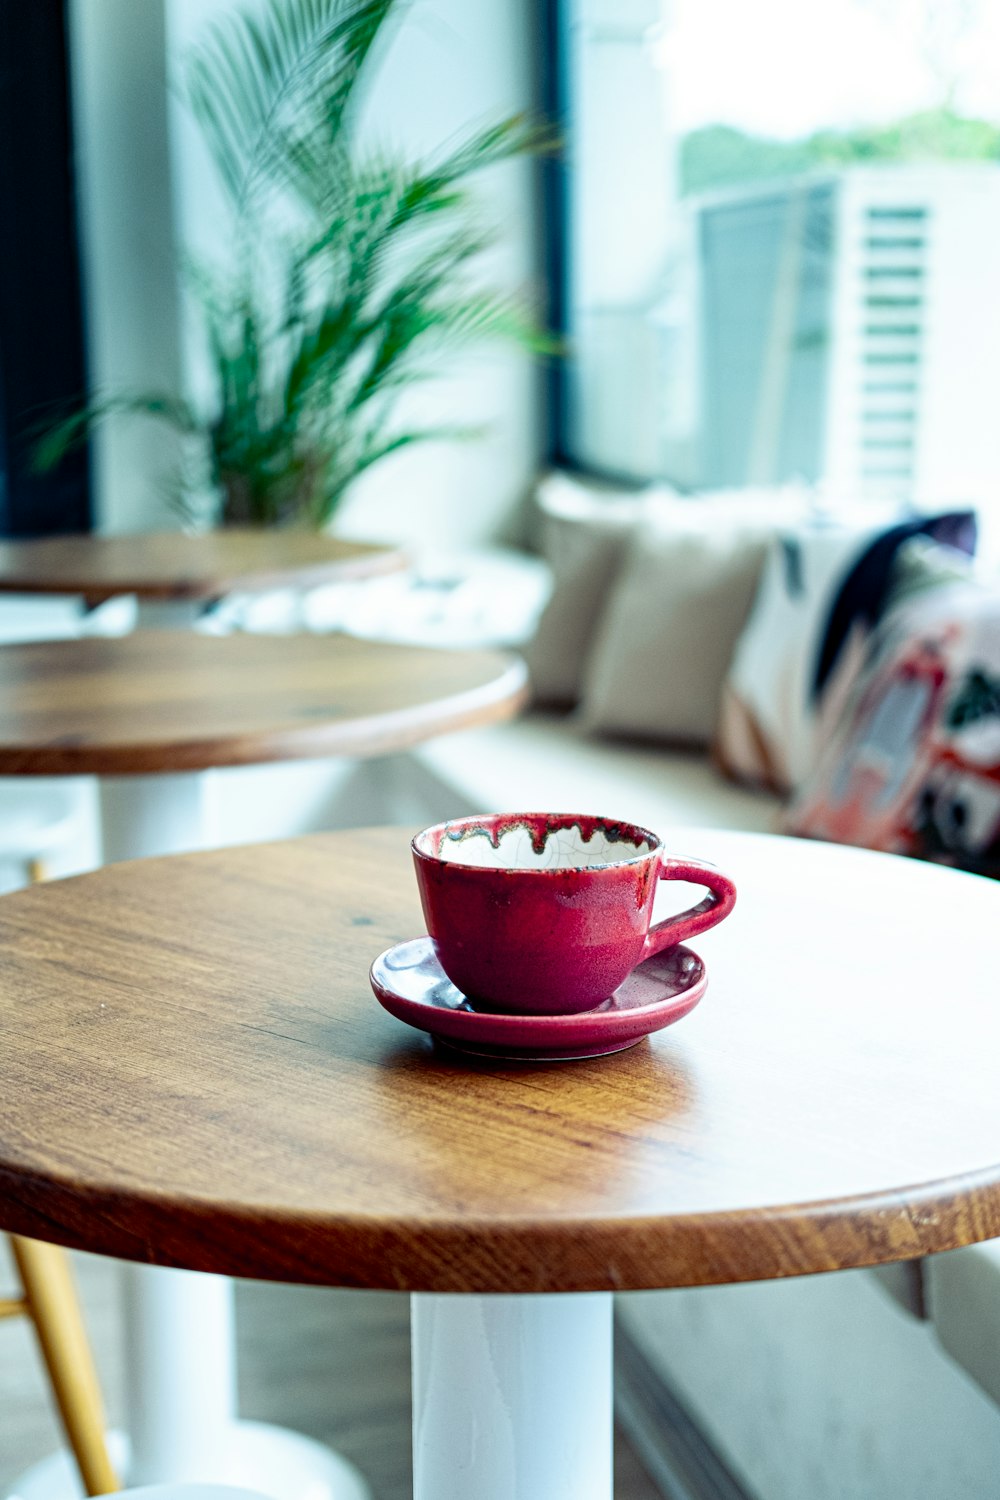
column 555, row 822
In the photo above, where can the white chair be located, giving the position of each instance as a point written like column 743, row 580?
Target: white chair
column 36, row 821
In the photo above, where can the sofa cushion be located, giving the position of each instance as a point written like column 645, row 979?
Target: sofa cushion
column 547, row 761
column 963, row 1293
column 823, row 589
column 671, row 622
column 766, row 720
column 584, row 531
column 913, row 766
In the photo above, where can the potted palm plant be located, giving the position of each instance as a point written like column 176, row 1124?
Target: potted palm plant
column 351, row 271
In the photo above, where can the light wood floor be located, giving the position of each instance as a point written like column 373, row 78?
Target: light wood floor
column 333, row 1364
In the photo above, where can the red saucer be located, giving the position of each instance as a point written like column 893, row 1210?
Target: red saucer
column 410, row 983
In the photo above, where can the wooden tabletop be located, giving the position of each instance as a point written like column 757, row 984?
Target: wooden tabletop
column 193, row 1071
column 173, row 565
column 180, row 701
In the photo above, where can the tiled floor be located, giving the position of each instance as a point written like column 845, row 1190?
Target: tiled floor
column 332, row 1364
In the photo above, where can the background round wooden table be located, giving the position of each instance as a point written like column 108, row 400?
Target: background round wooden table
column 173, row 565
column 179, row 701
column 195, row 1072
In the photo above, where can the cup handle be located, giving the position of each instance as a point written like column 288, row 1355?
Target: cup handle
column 717, row 904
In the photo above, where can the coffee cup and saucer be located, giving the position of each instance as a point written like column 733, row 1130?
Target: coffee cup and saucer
column 540, row 942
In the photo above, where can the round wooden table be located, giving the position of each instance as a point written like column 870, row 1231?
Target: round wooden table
column 197, row 1074
column 165, row 701
column 172, row 566
column 146, row 713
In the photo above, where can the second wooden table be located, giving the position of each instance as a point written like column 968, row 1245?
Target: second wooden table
column 171, row 565
column 145, row 710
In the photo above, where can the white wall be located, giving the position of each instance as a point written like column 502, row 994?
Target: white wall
column 456, row 63
column 146, row 184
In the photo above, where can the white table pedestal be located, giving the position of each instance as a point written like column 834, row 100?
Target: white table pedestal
column 180, row 1335
column 512, row 1397
column 270, row 1460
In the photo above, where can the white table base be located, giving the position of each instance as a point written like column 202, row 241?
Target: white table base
column 512, row 1397
column 169, row 614
column 142, row 816
column 180, row 1355
column 180, row 1336
column 269, row 1460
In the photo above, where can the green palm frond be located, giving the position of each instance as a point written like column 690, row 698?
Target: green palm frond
column 351, row 273
column 515, row 136
column 56, row 439
column 262, row 85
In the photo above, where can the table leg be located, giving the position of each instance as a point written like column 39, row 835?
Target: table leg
column 149, row 815
column 169, row 614
column 180, row 1358
column 179, row 1328
column 512, row 1397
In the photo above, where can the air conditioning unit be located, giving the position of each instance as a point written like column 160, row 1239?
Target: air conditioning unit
column 845, row 329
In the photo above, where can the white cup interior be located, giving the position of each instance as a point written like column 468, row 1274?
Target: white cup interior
column 519, row 847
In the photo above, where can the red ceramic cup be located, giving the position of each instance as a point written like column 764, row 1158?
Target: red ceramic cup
column 547, row 913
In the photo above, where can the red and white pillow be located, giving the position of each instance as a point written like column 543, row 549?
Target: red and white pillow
column 913, row 765
column 824, row 589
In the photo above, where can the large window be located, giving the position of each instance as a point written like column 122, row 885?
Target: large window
column 785, row 232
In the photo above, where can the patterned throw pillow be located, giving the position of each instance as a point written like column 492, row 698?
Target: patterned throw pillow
column 824, row 589
column 913, row 766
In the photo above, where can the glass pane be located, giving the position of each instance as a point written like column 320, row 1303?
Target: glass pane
column 818, row 296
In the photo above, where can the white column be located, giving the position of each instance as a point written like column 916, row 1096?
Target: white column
column 169, row 614
column 622, row 223
column 181, row 1387
column 180, row 1336
column 512, row 1397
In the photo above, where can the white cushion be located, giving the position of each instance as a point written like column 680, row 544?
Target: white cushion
column 675, row 613
column 584, row 531
column 489, row 596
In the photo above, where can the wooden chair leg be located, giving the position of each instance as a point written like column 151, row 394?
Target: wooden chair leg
column 51, row 1304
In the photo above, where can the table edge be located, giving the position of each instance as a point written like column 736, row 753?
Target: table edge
column 364, row 564
column 377, row 734
column 559, row 1255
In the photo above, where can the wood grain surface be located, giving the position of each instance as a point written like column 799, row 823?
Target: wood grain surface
column 193, row 1071
column 172, row 565
column 180, row 701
